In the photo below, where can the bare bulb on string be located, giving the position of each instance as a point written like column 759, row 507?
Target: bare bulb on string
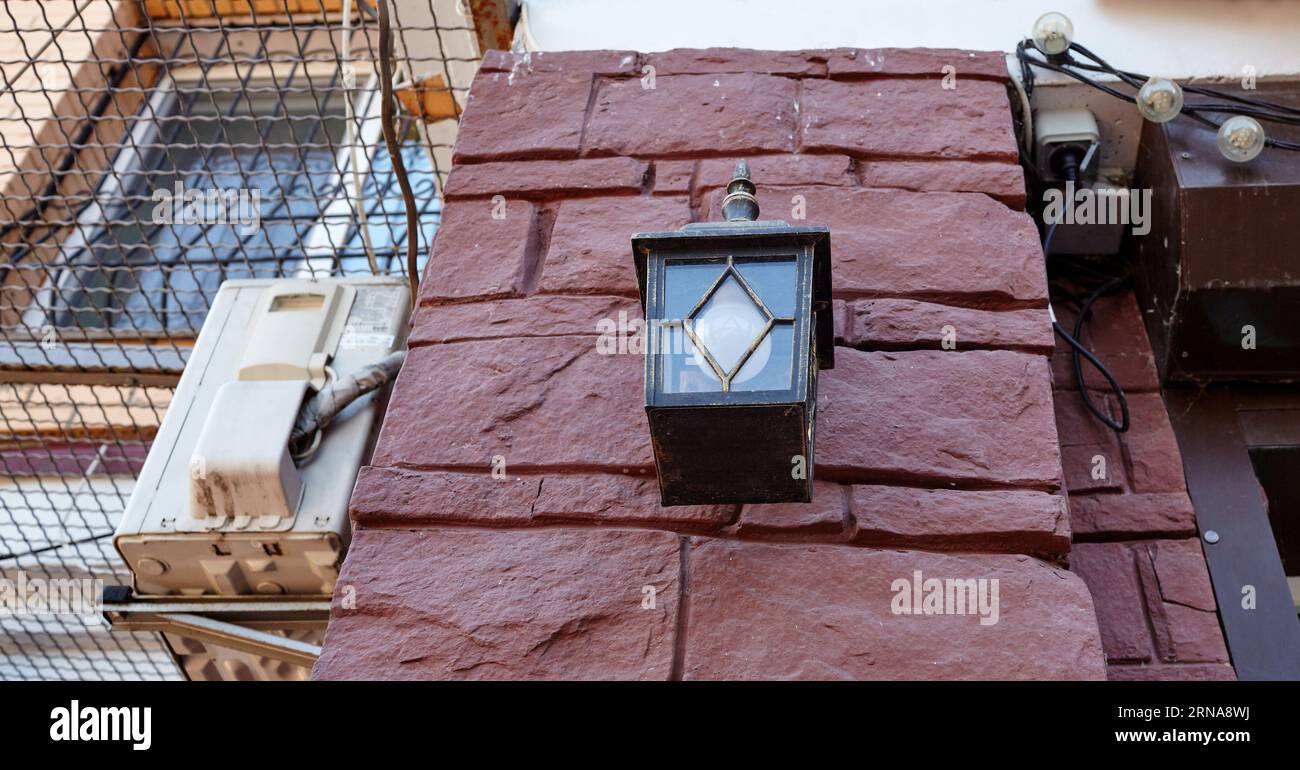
column 1052, row 33
column 1241, row 138
column 1160, row 100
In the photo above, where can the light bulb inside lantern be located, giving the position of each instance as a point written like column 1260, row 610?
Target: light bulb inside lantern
column 727, row 328
column 1052, row 33
column 1160, row 100
column 1241, row 138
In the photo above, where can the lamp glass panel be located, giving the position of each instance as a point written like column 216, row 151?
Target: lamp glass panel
column 729, row 325
column 773, row 371
column 680, row 370
column 774, row 281
column 685, row 284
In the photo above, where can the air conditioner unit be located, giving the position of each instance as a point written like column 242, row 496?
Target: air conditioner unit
column 223, row 507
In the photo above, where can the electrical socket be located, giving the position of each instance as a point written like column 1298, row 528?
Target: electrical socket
column 1059, row 131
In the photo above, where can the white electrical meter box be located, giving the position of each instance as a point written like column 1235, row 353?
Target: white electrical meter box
column 222, row 505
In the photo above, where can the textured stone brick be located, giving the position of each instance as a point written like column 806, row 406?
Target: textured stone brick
column 1182, row 573
column 673, row 177
column 1079, row 427
column 1194, row 635
column 1109, row 571
column 1132, row 515
column 719, row 60
column 1154, row 462
column 1138, row 620
column 544, row 604
column 1083, row 439
column 1188, row 672
column 937, row 417
column 479, row 256
column 957, row 248
column 942, row 519
column 784, row 170
column 536, row 316
column 539, row 575
column 843, row 321
column 976, row 418
column 542, row 402
column 598, row 62
column 1116, row 334
column 859, row 62
column 398, row 497
column 513, row 115
column 1000, row 180
column 784, row 611
column 631, row 500
column 900, row 324
column 1155, row 605
column 547, row 178
column 590, row 250
column 908, row 118
column 682, row 114
column 1092, row 468
column 826, row 515
column 406, row 498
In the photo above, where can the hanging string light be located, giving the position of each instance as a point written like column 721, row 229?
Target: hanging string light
column 1241, row 135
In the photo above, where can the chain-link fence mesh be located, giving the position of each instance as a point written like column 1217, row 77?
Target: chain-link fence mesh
column 150, row 150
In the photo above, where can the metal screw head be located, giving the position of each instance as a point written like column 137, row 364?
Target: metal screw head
column 1211, row 536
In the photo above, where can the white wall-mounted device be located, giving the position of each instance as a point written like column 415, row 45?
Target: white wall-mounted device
column 222, row 507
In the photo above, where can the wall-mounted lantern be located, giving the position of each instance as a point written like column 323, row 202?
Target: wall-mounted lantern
column 738, row 321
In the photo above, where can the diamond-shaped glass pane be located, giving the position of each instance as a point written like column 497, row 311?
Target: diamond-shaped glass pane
column 729, row 324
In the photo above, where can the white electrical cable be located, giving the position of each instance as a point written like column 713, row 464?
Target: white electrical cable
column 1027, row 125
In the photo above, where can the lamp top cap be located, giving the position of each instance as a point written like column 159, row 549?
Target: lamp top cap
column 740, row 205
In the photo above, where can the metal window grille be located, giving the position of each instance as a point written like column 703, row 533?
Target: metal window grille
column 149, row 150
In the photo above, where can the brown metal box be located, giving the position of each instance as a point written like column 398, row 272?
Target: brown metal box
column 1223, row 253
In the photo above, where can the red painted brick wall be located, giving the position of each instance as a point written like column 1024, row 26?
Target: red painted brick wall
column 1135, row 538
column 942, row 461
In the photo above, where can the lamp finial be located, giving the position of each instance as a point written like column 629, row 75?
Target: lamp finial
column 740, row 205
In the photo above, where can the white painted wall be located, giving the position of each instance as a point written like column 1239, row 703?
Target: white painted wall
column 1174, row 38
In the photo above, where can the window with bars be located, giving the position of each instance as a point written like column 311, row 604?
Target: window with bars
column 230, row 181
column 233, row 140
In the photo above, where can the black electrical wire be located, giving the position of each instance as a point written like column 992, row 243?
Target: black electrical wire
column 1257, row 108
column 55, row 547
column 1079, row 352
column 1062, row 63
column 1136, row 80
column 395, row 148
column 1077, row 356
